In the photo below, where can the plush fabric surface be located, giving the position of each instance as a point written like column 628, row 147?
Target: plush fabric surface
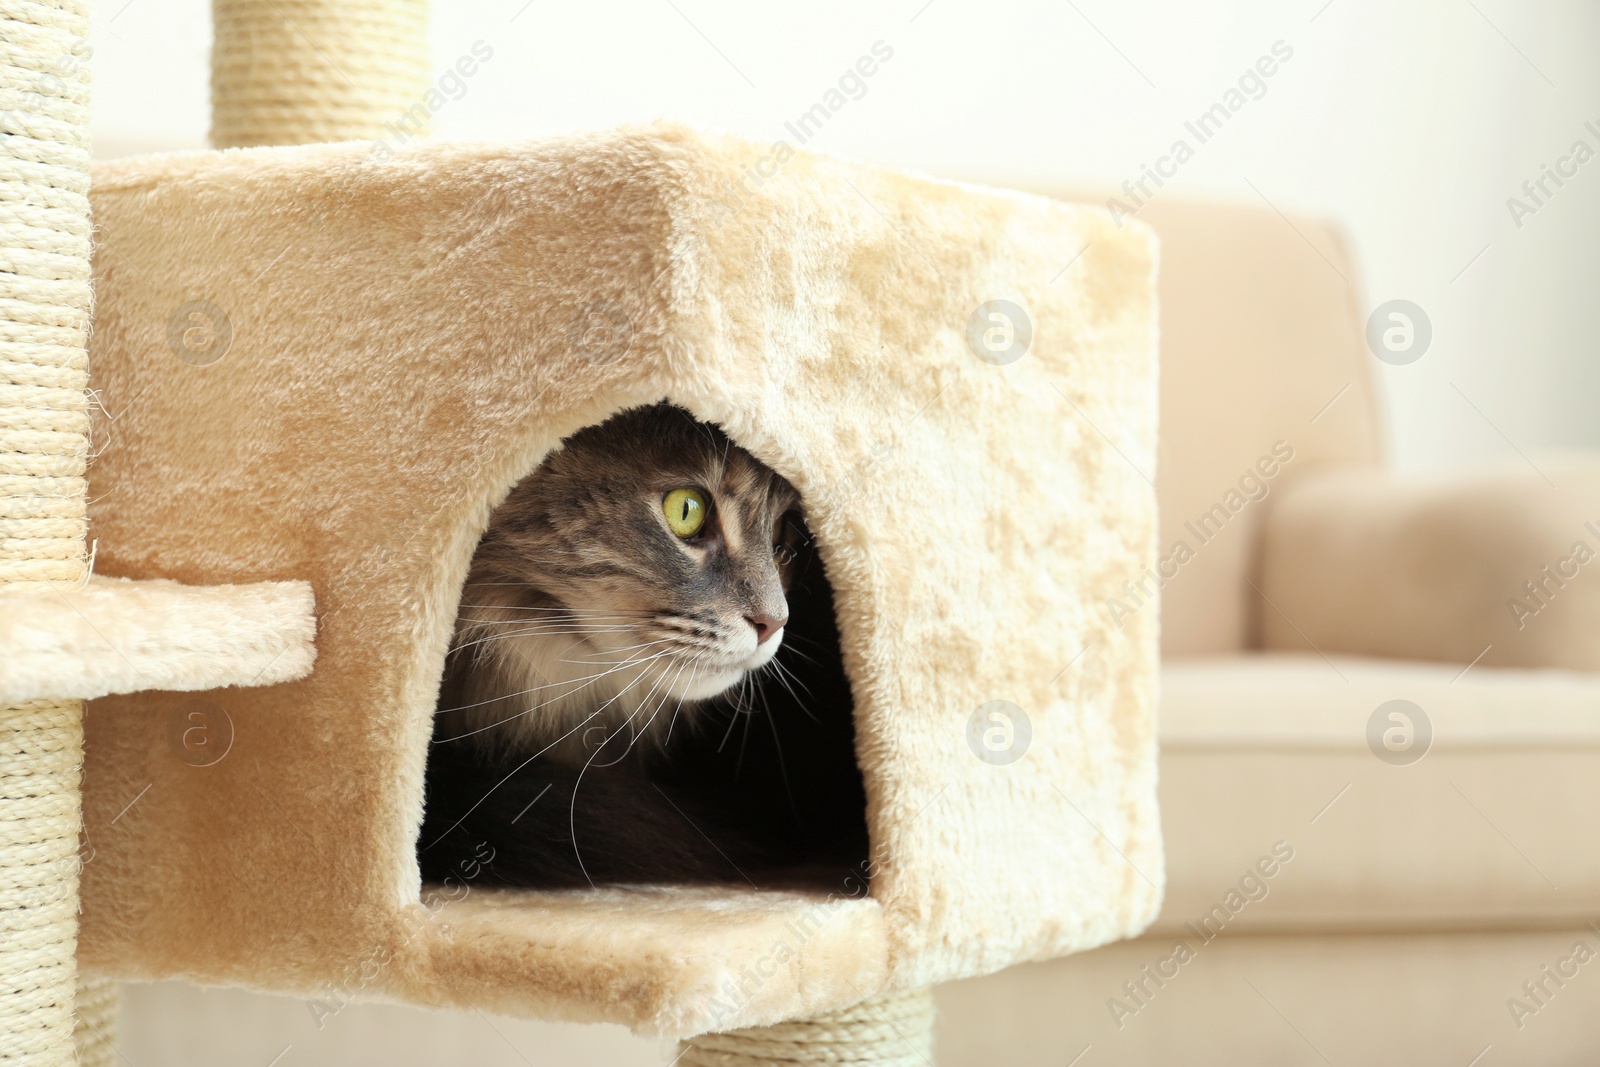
column 1496, row 567
column 409, row 336
column 119, row 636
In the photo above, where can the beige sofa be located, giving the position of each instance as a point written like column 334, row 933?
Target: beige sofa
column 1418, row 895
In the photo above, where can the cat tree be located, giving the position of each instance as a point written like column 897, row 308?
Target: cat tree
column 327, row 363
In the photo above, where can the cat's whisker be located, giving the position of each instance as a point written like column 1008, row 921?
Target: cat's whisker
column 500, row 616
column 479, row 642
column 678, row 710
column 592, row 661
column 813, row 642
column 553, row 609
column 783, row 675
column 634, row 735
column 734, row 717
column 525, row 692
column 788, row 647
column 783, row 766
column 493, row 628
column 625, row 648
column 532, row 631
column 746, row 710
column 578, row 624
column 490, row 618
column 744, row 740
column 692, row 665
column 632, row 662
column 522, row 584
column 524, row 763
column 572, row 810
column 672, row 724
column 788, row 673
column 468, row 605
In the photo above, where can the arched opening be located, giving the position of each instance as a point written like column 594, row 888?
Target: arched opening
column 757, row 786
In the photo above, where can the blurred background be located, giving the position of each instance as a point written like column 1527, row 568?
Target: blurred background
column 1411, row 126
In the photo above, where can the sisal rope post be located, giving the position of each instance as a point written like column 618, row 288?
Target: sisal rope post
column 287, row 72
column 889, row 1030
column 98, row 1002
column 44, row 448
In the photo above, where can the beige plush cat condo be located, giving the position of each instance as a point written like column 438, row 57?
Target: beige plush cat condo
column 327, row 363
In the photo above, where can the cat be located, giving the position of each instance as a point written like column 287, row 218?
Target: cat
column 639, row 575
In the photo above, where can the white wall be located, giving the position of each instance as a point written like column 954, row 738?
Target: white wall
column 1412, row 126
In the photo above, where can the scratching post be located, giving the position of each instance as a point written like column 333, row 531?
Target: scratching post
column 287, row 72
column 41, row 755
column 894, row 1030
column 97, row 1005
column 44, row 445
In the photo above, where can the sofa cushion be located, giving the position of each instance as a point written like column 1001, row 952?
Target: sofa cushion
column 1493, row 565
column 1490, row 827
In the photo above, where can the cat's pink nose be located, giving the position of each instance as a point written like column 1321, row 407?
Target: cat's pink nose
column 765, row 625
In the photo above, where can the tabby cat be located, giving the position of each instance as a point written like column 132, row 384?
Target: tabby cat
column 638, row 575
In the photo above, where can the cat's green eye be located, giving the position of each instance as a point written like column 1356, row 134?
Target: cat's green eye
column 685, row 510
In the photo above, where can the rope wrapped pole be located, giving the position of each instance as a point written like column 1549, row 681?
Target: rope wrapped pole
column 44, row 447
column 286, row 72
column 892, row 1030
column 98, row 1002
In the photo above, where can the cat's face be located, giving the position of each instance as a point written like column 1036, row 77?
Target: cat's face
column 649, row 551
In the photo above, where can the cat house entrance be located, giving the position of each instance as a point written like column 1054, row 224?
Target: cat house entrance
column 645, row 684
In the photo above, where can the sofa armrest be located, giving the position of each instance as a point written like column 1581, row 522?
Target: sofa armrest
column 1501, row 568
